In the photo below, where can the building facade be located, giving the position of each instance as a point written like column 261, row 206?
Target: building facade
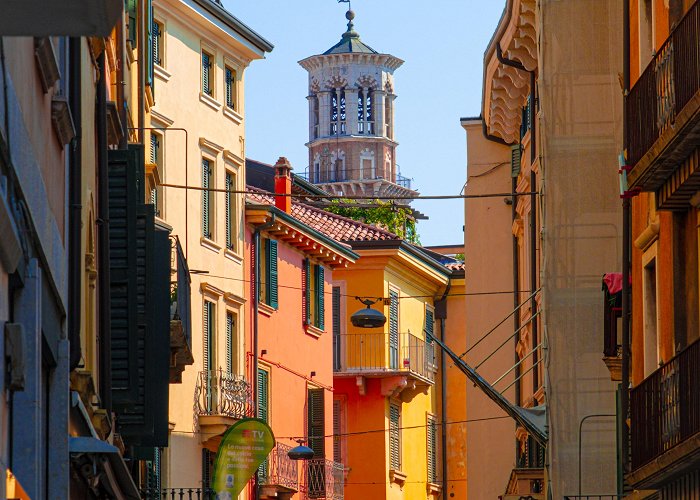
column 662, row 158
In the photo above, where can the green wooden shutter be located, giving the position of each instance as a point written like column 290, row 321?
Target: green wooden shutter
column 394, row 436
column 306, row 291
column 431, row 430
column 130, row 7
column 271, row 287
column 316, row 422
column 320, row 297
column 150, row 41
column 429, row 344
column 336, row 327
column 393, row 330
column 515, row 160
column 263, row 394
column 206, row 66
column 230, row 325
column 157, row 45
column 208, row 324
column 229, row 232
column 206, row 175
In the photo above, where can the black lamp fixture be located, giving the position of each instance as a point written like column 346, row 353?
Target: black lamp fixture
column 368, row 317
column 300, row 452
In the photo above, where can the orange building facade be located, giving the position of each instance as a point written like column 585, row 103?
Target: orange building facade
column 663, row 157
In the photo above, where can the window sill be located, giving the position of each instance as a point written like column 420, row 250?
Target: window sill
column 232, row 255
column 211, row 245
column 266, row 309
column 433, row 489
column 232, row 115
column 314, row 331
column 210, row 101
column 161, row 73
column 398, row 477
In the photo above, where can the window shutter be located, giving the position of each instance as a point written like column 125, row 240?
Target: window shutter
column 429, row 344
column 205, row 199
column 316, row 422
column 206, row 65
column 229, row 232
column 271, row 263
column 263, row 395
column 394, row 436
column 229, row 88
column 320, row 297
column 151, row 44
column 207, row 346
column 337, row 431
column 154, row 149
column 336, row 327
column 229, row 342
column 393, row 330
column 432, row 450
column 131, row 11
column 306, row 290
column 515, row 160
column 206, row 470
column 156, row 43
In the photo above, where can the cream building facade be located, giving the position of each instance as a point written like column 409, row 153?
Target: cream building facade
column 197, row 139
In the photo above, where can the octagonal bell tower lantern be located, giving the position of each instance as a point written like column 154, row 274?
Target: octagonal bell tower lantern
column 352, row 149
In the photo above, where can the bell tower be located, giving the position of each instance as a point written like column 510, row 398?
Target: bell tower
column 352, row 150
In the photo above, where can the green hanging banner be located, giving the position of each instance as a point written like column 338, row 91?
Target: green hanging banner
column 244, row 446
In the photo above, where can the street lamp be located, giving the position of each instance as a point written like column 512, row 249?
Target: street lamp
column 368, row 317
column 300, row 452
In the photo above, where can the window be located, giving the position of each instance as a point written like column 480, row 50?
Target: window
column 651, row 345
column 157, row 43
column 314, row 105
column 207, row 81
column 231, row 216
column 395, row 436
column 231, row 344
column 230, row 86
column 155, row 159
column 207, row 199
column 207, row 468
column 393, row 329
column 209, row 325
column 429, row 344
column 335, row 297
column 431, row 431
column 315, row 432
column 313, row 300
column 338, row 429
column 334, row 113
column 263, row 394
column 268, row 273
column 388, row 115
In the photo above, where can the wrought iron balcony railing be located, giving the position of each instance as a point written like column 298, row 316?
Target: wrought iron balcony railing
column 593, row 497
column 178, row 494
column 383, row 352
column 323, row 479
column 220, row 393
column 665, row 407
column 280, row 470
column 668, row 83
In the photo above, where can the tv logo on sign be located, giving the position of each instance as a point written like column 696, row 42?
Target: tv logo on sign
column 255, row 435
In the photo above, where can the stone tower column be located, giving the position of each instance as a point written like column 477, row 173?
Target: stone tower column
column 324, row 110
column 378, row 98
column 351, row 109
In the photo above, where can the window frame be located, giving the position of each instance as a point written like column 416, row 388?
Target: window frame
column 231, row 88
column 211, row 204
column 158, row 35
column 210, row 89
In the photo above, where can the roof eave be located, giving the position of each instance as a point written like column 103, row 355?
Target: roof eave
column 237, row 25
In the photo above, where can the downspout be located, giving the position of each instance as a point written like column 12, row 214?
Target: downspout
column 441, row 314
column 103, row 276
column 516, row 304
column 75, row 204
column 626, row 257
column 256, row 303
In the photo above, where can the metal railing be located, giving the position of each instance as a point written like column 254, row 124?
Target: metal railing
column 180, row 290
column 665, row 407
column 323, row 479
column 281, row 470
column 344, row 176
column 404, row 182
column 220, row 393
column 379, row 352
column 670, row 80
column 593, row 497
column 178, row 494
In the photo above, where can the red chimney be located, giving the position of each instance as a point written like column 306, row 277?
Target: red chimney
column 283, row 184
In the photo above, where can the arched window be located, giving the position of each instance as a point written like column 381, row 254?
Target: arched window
column 314, row 107
column 334, row 112
column 369, row 111
column 387, row 115
column 360, row 111
column 342, row 111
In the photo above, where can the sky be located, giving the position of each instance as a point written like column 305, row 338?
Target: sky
column 442, row 43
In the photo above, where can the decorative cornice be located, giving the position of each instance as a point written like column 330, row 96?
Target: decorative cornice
column 210, row 145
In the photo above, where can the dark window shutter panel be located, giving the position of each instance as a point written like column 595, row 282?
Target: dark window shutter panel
column 394, row 436
column 337, row 430
column 205, row 199
column 229, row 231
column 305, row 292
column 208, row 324
column 131, row 12
column 263, row 410
column 206, row 66
column 316, row 422
column 336, row 327
column 151, row 44
column 393, row 330
column 320, row 297
column 432, row 450
column 515, row 160
column 229, row 342
column 207, row 469
column 271, row 263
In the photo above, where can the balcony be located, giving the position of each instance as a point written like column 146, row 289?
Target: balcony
column 178, row 494
column 365, row 128
column 405, row 364
column 323, row 479
column 279, row 477
column 220, row 399
column 180, row 314
column 665, row 421
column 663, row 118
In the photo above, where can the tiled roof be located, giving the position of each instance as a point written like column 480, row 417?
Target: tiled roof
column 455, row 266
column 334, row 226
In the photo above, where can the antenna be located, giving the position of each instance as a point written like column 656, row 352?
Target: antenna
column 347, row 2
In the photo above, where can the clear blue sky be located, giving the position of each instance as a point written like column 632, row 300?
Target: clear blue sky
column 442, row 43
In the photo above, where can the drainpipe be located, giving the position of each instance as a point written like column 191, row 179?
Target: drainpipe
column 626, row 238
column 256, row 303
column 103, row 240
column 75, row 204
column 516, row 305
column 441, row 314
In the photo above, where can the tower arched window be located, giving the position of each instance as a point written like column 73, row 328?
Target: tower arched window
column 360, row 111
column 314, row 107
column 387, row 116
column 343, row 110
column 369, row 111
column 334, row 112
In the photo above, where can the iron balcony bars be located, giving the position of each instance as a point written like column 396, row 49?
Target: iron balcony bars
column 218, row 392
column 280, row 470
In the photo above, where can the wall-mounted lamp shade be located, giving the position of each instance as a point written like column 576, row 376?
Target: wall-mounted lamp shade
column 368, row 318
column 301, row 452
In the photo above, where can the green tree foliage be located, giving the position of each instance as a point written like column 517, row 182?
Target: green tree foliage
column 387, row 215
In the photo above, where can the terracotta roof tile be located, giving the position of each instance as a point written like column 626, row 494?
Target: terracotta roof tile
column 455, row 266
column 333, row 226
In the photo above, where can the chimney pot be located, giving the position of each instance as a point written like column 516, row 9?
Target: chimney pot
column 283, row 184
